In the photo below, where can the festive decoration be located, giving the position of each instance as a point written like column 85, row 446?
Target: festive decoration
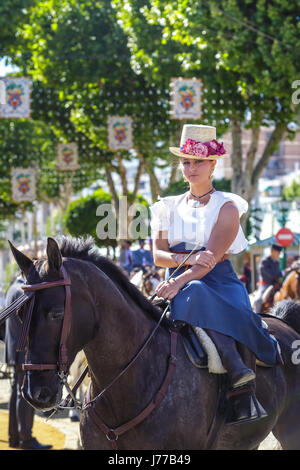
column 120, row 132
column 186, row 98
column 16, row 103
column 23, row 181
column 205, row 149
column 67, row 156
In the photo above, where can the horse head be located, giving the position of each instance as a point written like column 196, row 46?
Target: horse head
column 42, row 386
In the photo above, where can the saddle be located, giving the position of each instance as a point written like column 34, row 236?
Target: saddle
column 192, row 346
column 199, row 347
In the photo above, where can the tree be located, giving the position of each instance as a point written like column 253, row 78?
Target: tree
column 83, row 217
column 292, row 192
column 209, row 40
column 32, row 143
column 78, row 49
column 247, row 55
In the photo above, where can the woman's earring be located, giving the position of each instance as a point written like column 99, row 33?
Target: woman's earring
column 211, row 175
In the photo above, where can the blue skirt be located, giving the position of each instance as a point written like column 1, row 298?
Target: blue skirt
column 219, row 301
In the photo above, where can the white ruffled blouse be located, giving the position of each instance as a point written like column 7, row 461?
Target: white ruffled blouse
column 192, row 225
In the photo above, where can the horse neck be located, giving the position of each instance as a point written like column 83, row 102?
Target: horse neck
column 292, row 285
column 123, row 328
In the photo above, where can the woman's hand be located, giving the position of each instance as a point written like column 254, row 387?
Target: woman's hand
column 168, row 289
column 204, row 258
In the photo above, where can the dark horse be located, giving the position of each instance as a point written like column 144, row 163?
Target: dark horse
column 110, row 319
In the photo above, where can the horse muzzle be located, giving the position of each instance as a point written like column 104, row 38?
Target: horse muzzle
column 42, row 390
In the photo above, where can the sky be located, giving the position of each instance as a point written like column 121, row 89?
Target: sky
column 5, row 69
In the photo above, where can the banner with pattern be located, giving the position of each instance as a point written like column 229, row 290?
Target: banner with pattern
column 17, row 96
column 120, row 132
column 23, row 181
column 186, row 94
column 67, row 156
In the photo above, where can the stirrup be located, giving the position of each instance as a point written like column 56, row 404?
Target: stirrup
column 243, row 406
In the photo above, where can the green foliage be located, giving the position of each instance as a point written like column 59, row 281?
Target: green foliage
column 223, row 184
column 13, row 13
column 79, row 51
column 246, row 53
column 81, row 218
column 292, row 192
column 176, row 188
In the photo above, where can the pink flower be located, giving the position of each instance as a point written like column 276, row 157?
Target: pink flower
column 213, row 144
column 200, row 149
column 192, row 147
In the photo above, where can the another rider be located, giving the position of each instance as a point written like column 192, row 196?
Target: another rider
column 142, row 257
column 206, row 291
column 269, row 275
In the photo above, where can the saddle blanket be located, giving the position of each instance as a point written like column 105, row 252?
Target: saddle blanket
column 214, row 363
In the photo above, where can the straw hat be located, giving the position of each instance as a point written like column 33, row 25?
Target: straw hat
column 199, row 141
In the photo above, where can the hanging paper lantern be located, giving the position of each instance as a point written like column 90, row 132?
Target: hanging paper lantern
column 17, row 98
column 120, row 132
column 186, row 98
column 67, row 156
column 23, row 181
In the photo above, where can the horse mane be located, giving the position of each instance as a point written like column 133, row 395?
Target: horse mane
column 84, row 248
column 288, row 311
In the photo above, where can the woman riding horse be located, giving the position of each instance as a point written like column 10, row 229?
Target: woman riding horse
column 206, row 292
column 82, row 300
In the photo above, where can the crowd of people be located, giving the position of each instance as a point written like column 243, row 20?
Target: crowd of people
column 140, row 258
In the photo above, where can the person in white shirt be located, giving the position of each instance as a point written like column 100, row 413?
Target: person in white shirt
column 206, row 291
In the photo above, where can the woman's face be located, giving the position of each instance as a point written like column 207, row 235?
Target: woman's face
column 197, row 171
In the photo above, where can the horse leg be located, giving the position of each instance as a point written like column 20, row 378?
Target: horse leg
column 287, row 429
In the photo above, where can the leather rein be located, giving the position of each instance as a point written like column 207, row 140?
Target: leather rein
column 62, row 365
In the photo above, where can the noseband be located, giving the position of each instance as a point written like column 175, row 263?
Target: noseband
column 63, row 364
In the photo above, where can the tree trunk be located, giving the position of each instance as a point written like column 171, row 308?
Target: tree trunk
column 137, row 179
column 154, row 183
column 111, row 185
column 246, row 175
column 122, row 173
column 174, row 170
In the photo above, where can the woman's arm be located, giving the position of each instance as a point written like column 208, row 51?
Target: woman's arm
column 222, row 236
column 165, row 258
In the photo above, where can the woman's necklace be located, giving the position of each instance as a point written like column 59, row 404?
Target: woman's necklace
column 193, row 203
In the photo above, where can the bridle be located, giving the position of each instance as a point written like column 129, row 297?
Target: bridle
column 62, row 365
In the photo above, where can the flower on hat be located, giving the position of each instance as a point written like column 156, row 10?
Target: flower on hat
column 214, row 148
column 199, row 149
column 192, row 147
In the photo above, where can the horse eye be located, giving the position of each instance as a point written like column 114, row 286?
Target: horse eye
column 56, row 314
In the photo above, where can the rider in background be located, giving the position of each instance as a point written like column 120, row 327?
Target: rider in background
column 269, row 274
column 142, row 257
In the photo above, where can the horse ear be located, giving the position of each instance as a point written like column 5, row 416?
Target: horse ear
column 54, row 255
column 22, row 260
